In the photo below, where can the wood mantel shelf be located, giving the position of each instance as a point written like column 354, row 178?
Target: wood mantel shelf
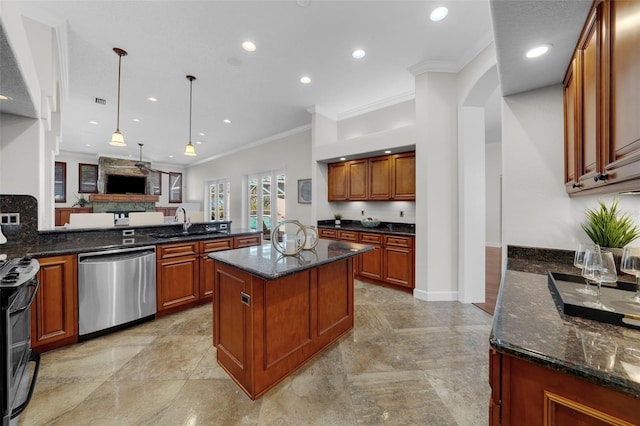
column 123, row 198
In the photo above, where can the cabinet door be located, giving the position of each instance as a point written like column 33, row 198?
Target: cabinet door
column 337, row 181
column 206, row 277
column 398, row 260
column 369, row 264
column 357, row 176
column 591, row 141
column 625, row 91
column 404, row 177
column 571, row 127
column 54, row 313
column 177, row 281
column 380, row 178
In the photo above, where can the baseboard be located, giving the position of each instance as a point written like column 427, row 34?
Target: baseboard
column 436, row 296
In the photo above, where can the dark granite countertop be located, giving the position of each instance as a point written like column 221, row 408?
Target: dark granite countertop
column 62, row 243
column 528, row 325
column 266, row 262
column 388, row 228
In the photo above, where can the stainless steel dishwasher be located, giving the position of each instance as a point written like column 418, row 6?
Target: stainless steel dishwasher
column 115, row 287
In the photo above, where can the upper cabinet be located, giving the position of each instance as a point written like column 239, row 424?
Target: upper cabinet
column 601, row 106
column 384, row 178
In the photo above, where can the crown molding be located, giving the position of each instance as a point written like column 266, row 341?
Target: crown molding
column 374, row 106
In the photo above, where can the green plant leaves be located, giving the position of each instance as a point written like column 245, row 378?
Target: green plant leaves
column 607, row 228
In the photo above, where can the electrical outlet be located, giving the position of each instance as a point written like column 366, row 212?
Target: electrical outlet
column 401, row 213
column 10, row 218
column 361, row 212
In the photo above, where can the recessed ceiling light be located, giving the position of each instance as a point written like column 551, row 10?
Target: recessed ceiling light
column 201, row 134
column 249, row 46
column 358, row 54
column 388, row 151
column 343, row 158
column 93, row 122
column 538, row 51
column 87, row 144
column 439, row 14
column 171, row 156
column 135, row 120
column 226, row 121
column 305, row 80
column 199, row 142
column 152, row 99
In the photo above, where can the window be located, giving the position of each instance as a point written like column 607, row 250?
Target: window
column 265, row 189
column 217, row 198
column 88, row 178
column 175, row 187
column 60, row 182
column 156, row 182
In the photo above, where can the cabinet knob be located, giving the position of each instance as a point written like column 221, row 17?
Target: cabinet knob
column 600, row 176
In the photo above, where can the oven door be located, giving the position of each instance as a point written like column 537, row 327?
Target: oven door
column 18, row 329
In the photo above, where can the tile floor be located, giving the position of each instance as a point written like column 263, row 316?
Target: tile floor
column 406, row 362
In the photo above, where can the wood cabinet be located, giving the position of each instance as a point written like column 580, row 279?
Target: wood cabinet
column 383, row 178
column 184, row 272
column 62, row 213
column 601, row 106
column 391, row 262
column 206, row 265
column 177, row 276
column 54, row 313
column 167, row 211
column 370, row 264
column 526, row 393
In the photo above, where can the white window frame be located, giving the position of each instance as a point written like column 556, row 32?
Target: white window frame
column 208, row 200
column 273, row 217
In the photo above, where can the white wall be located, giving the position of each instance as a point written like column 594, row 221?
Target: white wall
column 291, row 153
column 493, row 173
column 536, row 209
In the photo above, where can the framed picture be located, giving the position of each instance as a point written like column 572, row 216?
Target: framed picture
column 175, row 187
column 304, row 191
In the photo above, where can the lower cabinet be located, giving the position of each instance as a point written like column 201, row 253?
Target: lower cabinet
column 524, row 393
column 177, row 276
column 391, row 261
column 54, row 313
column 184, row 271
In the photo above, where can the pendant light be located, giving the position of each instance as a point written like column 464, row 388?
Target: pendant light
column 190, row 150
column 117, row 139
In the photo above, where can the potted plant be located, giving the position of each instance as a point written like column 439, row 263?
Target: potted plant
column 81, row 201
column 337, row 217
column 608, row 227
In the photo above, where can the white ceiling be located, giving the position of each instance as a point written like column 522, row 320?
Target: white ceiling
column 260, row 91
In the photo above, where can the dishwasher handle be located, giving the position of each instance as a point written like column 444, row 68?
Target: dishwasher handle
column 115, row 255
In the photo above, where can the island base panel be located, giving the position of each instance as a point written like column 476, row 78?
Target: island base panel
column 266, row 329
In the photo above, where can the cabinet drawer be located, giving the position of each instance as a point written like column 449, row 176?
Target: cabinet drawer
column 348, row 236
column 250, row 240
column 371, row 238
column 216, row 245
column 175, row 250
column 394, row 241
column 327, row 233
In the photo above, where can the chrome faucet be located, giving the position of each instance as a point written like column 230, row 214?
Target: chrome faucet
column 187, row 222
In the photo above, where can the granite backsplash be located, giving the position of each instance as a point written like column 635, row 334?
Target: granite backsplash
column 27, row 207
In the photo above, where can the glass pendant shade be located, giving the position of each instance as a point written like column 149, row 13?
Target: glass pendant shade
column 117, row 139
column 190, row 150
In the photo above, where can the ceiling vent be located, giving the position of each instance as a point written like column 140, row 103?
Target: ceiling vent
column 101, row 101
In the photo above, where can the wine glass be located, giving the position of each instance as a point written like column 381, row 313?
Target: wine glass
column 630, row 264
column 578, row 261
column 600, row 267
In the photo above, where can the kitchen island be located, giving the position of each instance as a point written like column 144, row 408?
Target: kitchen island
column 550, row 368
column 272, row 313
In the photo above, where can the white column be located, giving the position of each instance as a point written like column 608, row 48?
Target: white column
column 436, row 187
